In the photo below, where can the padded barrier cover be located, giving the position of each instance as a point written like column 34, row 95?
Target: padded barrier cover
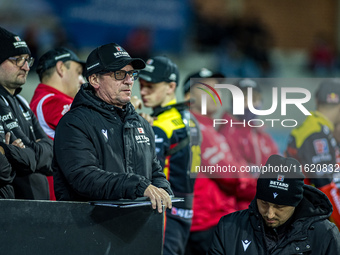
column 62, row 228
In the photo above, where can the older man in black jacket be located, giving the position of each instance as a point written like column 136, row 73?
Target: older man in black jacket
column 286, row 217
column 103, row 150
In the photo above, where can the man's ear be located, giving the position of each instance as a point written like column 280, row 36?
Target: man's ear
column 172, row 87
column 60, row 68
column 94, row 81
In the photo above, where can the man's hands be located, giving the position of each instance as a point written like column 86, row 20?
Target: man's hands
column 18, row 142
column 158, row 197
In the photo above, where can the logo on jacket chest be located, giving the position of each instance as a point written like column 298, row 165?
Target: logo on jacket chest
column 142, row 139
column 245, row 244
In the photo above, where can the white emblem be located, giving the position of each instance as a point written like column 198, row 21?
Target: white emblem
column 158, row 139
column 275, row 194
column 245, row 244
column 105, row 133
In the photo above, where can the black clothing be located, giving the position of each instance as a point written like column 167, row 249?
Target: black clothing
column 309, row 231
column 177, row 232
column 6, row 178
column 199, row 242
column 178, row 140
column 32, row 163
column 103, row 152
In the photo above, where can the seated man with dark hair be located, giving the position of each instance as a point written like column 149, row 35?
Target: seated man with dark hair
column 286, row 217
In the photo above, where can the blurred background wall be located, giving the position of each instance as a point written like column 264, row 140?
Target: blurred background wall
column 240, row 38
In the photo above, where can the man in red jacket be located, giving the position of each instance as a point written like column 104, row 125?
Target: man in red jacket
column 60, row 73
column 254, row 144
column 215, row 194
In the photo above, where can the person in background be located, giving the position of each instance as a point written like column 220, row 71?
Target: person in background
column 215, row 194
column 32, row 159
column 60, row 73
column 336, row 135
column 313, row 145
column 177, row 138
column 103, row 150
column 286, row 217
column 253, row 143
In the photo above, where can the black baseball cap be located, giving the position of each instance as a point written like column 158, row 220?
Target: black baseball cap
column 110, row 57
column 329, row 92
column 203, row 73
column 50, row 59
column 248, row 83
column 160, row 69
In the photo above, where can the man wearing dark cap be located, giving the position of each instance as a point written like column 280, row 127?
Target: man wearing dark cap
column 25, row 144
column 286, row 217
column 103, row 150
column 177, row 138
column 60, row 73
column 313, row 144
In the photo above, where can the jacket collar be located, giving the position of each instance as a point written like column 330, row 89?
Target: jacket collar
column 172, row 104
column 323, row 120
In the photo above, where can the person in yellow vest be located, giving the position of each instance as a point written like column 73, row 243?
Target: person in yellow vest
column 177, row 138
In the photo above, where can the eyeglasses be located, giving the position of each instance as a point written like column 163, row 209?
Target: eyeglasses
column 121, row 74
column 20, row 61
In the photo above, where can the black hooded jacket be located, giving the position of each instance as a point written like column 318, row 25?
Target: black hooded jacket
column 6, row 178
column 32, row 163
column 102, row 152
column 309, row 232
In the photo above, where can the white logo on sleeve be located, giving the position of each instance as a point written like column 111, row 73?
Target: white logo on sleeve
column 66, row 108
column 245, row 244
column 275, row 194
column 158, row 139
column 105, row 133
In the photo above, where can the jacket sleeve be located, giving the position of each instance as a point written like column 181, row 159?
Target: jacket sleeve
column 77, row 159
column 217, row 244
column 37, row 156
column 42, row 147
column 21, row 159
column 158, row 177
column 162, row 144
column 6, row 173
column 334, row 243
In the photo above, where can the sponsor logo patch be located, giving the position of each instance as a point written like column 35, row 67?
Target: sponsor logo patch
column 321, row 146
column 279, row 184
column 142, row 139
column 280, row 178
